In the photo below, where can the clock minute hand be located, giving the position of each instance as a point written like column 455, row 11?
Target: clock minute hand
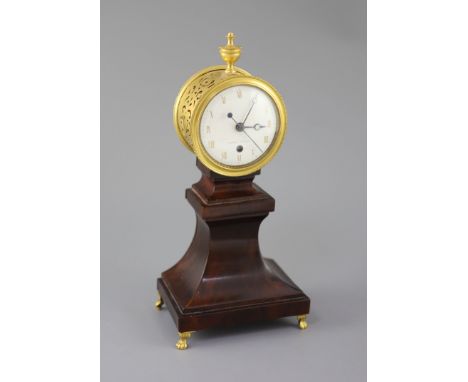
column 248, row 113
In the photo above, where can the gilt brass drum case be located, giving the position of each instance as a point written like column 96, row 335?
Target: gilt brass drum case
column 198, row 91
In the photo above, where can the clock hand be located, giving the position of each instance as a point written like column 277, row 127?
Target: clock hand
column 255, row 143
column 257, row 126
column 239, row 126
column 248, row 113
column 229, row 115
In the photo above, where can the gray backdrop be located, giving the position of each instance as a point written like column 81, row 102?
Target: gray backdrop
column 314, row 53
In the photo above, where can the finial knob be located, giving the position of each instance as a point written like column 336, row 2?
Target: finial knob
column 230, row 53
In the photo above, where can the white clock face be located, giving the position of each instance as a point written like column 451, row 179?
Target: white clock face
column 238, row 125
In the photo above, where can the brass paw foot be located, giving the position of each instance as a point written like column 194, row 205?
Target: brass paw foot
column 159, row 303
column 301, row 321
column 182, row 343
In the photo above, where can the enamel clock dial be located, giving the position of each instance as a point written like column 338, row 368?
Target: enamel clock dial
column 239, row 125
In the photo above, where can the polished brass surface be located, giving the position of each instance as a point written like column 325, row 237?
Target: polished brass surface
column 230, row 53
column 301, row 321
column 182, row 343
column 159, row 303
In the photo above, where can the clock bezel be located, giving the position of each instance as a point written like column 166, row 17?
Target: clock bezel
column 259, row 163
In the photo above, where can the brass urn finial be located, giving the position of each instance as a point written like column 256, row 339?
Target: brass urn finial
column 230, row 53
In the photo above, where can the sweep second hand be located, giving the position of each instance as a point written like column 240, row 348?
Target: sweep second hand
column 255, row 143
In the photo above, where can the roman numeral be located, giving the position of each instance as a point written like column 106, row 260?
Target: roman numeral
column 223, row 99
column 239, row 93
column 211, row 144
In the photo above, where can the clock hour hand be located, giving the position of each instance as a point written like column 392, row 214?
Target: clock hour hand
column 257, row 126
column 239, row 125
column 229, row 115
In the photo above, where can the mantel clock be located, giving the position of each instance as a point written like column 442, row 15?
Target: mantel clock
column 234, row 123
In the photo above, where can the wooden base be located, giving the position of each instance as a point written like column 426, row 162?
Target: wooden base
column 238, row 312
column 223, row 280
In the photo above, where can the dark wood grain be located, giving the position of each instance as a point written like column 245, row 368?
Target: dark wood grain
column 223, row 280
